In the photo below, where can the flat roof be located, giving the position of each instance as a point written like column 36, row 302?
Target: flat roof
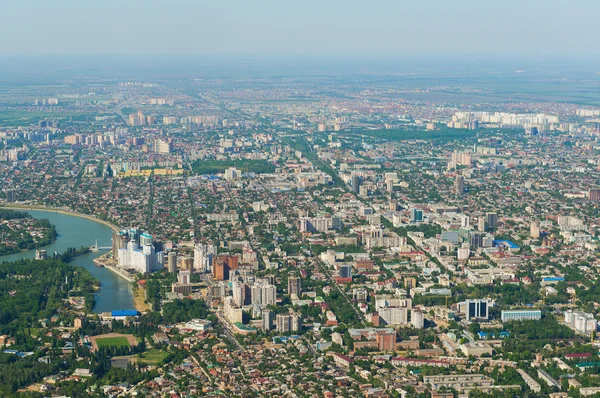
column 241, row 326
column 505, row 243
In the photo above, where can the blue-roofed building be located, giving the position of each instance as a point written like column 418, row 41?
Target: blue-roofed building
column 124, row 313
column 551, row 280
column 506, row 244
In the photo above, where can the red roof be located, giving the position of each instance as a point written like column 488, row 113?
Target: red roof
column 578, row 355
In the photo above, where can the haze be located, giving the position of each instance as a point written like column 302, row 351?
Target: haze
column 309, row 27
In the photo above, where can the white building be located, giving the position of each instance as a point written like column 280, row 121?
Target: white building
column 570, row 223
column 203, row 257
column 393, row 315
column 288, row 323
column 263, row 293
column 581, row 322
column 198, row 324
column 142, row 259
column 232, row 312
column 417, row 319
column 232, row 173
column 316, row 224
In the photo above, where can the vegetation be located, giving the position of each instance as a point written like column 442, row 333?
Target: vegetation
column 16, row 232
column 417, row 133
column 113, row 342
column 219, row 166
column 33, row 290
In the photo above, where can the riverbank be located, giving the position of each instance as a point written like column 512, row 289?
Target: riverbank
column 139, row 293
column 75, row 231
column 61, row 211
column 139, row 299
column 102, row 261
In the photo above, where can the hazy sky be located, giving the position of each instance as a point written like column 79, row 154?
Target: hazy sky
column 300, row 27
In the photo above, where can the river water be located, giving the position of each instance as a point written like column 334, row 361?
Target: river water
column 115, row 293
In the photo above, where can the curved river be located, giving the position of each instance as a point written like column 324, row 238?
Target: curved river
column 115, row 293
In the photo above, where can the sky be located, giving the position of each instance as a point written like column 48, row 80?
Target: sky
column 527, row 28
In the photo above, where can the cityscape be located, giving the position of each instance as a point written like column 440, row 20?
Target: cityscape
column 191, row 227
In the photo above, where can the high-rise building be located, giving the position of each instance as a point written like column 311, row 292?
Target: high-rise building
column 163, row 146
column 356, row 184
column 410, row 282
column 417, row 319
column 172, row 262
column 345, row 271
column 416, row 215
column 263, row 293
column 581, row 322
column 294, row 286
column 220, row 271
column 481, row 224
column 187, row 263
column 316, row 224
column 223, row 264
column 463, row 253
column 386, row 341
column 459, row 185
column 204, row 257
column 594, row 195
column 476, row 239
column 475, row 309
column 184, row 277
column 393, row 315
column 534, row 231
column 267, row 320
column 232, row 173
column 136, row 119
column 288, row 323
column 145, row 239
column 139, row 258
column 491, row 220
column 465, row 221
column 231, row 311
column 238, row 290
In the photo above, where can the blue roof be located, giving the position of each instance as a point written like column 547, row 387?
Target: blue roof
column 553, row 278
column 508, row 243
column 125, row 313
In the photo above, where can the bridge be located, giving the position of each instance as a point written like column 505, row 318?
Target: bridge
column 96, row 248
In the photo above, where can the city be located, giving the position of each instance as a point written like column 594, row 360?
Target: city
column 299, row 234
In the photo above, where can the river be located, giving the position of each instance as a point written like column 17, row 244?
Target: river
column 115, row 292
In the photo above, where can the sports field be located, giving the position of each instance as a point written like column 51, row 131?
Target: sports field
column 113, row 341
column 152, row 357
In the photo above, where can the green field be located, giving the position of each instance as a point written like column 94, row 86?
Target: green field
column 153, row 357
column 112, row 342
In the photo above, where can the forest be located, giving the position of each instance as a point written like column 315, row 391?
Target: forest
column 219, row 166
column 32, row 290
